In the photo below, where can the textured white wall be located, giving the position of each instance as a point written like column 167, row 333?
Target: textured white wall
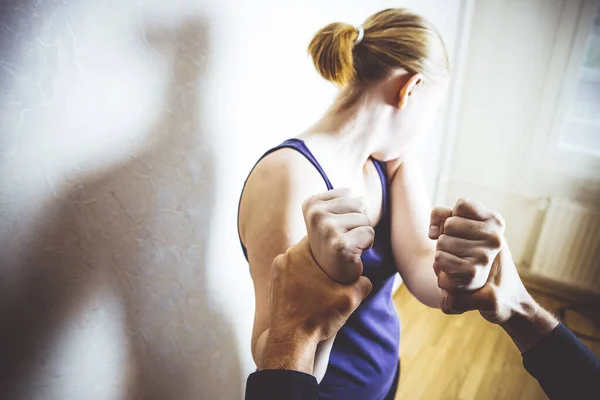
column 127, row 129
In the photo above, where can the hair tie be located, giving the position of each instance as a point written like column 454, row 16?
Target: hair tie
column 361, row 35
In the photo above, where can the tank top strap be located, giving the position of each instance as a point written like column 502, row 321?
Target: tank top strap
column 380, row 167
column 301, row 148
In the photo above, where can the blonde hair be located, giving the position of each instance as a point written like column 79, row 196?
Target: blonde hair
column 393, row 38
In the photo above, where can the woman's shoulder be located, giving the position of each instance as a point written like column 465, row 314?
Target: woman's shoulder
column 286, row 171
column 276, row 188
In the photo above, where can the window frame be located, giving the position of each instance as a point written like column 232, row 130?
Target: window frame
column 568, row 54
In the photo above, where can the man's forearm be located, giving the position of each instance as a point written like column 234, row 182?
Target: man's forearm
column 285, row 372
column 291, row 352
column 564, row 367
column 529, row 324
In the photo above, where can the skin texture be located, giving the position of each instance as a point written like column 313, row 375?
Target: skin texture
column 476, row 272
column 383, row 125
column 307, row 306
column 339, row 230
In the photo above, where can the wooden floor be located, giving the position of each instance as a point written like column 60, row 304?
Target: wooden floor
column 465, row 357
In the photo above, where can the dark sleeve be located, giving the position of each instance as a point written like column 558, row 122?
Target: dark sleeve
column 281, row 384
column 564, row 367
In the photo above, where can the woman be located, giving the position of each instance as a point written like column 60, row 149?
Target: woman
column 393, row 74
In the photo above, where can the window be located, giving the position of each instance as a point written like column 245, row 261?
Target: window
column 581, row 128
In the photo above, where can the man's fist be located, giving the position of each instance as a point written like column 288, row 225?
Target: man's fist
column 339, row 230
column 474, row 265
column 469, row 238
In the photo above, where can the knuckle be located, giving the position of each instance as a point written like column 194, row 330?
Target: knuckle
column 498, row 220
column 438, row 256
column 443, row 240
column 354, row 302
column 345, row 302
column 436, row 269
column 370, row 231
column 446, row 283
column 462, row 205
column 440, row 283
column 327, row 228
column 495, row 240
column 314, row 215
column 436, row 214
column 450, row 224
column 483, row 257
column 308, row 203
column 279, row 263
column 338, row 244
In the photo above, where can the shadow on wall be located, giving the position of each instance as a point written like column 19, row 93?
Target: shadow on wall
column 136, row 239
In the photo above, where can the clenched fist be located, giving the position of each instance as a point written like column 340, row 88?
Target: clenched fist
column 474, row 266
column 339, row 230
column 469, row 238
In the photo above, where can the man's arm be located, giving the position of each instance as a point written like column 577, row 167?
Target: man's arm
column 288, row 365
column 306, row 308
column 564, row 367
column 281, row 384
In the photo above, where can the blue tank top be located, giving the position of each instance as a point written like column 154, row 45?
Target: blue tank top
column 364, row 356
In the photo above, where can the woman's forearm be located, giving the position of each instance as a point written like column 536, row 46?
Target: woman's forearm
column 420, row 279
column 412, row 248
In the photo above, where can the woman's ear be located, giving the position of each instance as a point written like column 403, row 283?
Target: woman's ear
column 408, row 89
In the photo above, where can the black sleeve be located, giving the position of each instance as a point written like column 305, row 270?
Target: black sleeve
column 564, row 367
column 281, row 384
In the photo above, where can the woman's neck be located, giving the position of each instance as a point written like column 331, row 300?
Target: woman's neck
column 350, row 136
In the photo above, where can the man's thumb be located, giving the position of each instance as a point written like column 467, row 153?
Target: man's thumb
column 436, row 221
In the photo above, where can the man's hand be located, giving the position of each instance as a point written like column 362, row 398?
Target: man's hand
column 473, row 263
column 307, row 307
column 469, row 238
column 339, row 230
column 475, row 248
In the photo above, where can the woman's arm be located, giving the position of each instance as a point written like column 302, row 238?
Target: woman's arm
column 413, row 250
column 270, row 222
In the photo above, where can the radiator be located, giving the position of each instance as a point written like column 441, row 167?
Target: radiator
column 568, row 248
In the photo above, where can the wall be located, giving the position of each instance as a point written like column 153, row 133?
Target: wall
column 127, row 129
